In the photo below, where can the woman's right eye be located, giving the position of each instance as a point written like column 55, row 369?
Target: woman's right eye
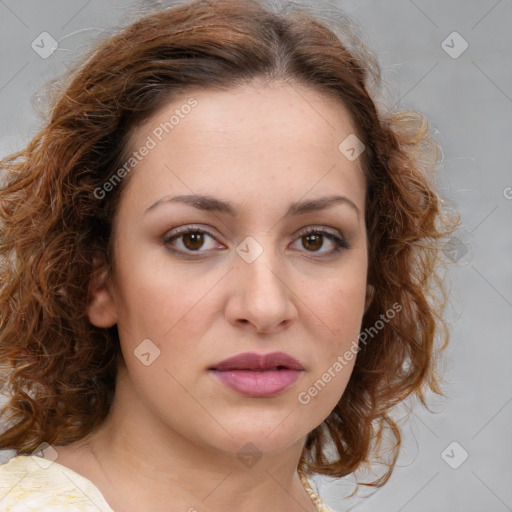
column 189, row 239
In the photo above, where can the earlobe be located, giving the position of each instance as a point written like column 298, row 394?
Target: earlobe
column 370, row 293
column 101, row 306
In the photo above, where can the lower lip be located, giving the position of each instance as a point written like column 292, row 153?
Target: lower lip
column 258, row 384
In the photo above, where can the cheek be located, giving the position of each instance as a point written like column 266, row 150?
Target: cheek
column 339, row 303
column 155, row 295
column 170, row 311
column 340, row 306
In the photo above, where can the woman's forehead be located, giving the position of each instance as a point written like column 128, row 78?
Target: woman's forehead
column 261, row 110
column 250, row 133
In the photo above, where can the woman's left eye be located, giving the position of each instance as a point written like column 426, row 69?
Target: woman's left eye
column 315, row 238
column 192, row 239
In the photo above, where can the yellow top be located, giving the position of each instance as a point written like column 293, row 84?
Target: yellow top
column 30, row 483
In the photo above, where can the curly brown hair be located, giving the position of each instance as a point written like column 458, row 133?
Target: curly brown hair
column 59, row 370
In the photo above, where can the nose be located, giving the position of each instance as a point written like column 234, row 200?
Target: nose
column 260, row 297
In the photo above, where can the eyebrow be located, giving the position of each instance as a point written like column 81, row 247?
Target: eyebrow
column 212, row 204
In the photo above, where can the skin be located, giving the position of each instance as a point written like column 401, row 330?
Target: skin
column 171, row 440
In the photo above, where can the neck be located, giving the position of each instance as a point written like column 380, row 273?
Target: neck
column 140, row 464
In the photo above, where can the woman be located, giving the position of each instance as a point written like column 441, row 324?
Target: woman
column 218, row 263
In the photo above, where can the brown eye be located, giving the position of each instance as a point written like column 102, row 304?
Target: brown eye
column 314, row 239
column 312, row 242
column 193, row 241
column 189, row 240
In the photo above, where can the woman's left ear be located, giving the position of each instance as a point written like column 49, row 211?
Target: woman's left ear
column 370, row 293
column 101, row 305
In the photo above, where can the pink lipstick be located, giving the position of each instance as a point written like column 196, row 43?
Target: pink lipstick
column 258, row 375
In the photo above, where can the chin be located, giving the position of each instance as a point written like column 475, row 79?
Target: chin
column 266, row 437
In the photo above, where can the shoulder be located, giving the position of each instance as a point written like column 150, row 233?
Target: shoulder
column 319, row 503
column 29, row 483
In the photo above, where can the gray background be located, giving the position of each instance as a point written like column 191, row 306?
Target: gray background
column 468, row 100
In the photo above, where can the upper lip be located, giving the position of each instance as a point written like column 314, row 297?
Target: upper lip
column 255, row 361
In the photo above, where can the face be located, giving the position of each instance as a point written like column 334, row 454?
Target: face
column 267, row 252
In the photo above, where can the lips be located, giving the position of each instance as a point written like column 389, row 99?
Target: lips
column 258, row 375
column 259, row 362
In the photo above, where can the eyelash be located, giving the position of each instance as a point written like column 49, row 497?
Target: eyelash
column 340, row 243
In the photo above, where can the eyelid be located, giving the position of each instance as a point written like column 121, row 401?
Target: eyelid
column 189, row 228
column 319, row 228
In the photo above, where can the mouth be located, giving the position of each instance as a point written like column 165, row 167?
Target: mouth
column 258, row 376
column 252, row 361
